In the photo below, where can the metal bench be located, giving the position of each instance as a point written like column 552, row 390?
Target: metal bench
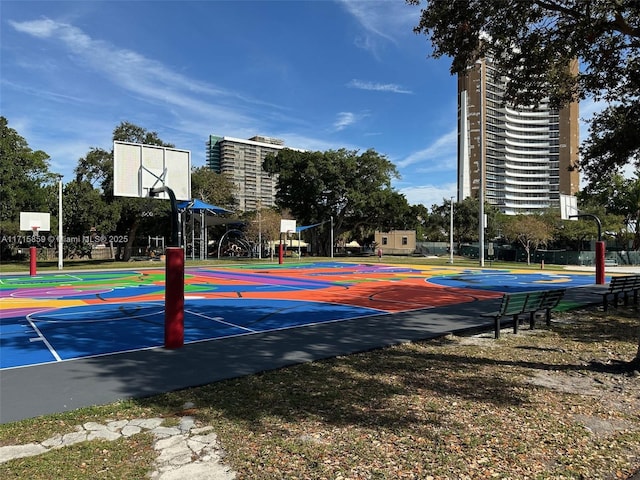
column 622, row 285
column 521, row 303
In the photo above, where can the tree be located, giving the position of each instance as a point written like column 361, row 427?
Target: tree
column 612, row 143
column 25, row 182
column 574, row 233
column 417, row 219
column 263, row 226
column 85, row 209
column 213, row 188
column 536, row 43
column 619, row 196
column 133, row 215
column 465, row 221
column 530, row 231
column 352, row 188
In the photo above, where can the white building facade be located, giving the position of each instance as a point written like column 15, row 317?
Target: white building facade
column 522, row 158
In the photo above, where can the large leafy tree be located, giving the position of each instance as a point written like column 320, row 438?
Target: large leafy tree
column 619, row 196
column 213, row 188
column 133, row 215
column 26, row 184
column 417, row 218
column 24, row 175
column 85, row 209
column 613, row 142
column 535, row 42
column 352, row 188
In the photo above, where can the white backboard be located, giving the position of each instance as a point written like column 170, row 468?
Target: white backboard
column 287, row 226
column 568, row 207
column 31, row 220
column 138, row 168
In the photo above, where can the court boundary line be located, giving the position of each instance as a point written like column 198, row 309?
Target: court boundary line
column 66, row 275
column 219, row 320
column 43, row 339
column 81, row 322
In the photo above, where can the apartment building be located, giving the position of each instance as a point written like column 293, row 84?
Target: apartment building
column 241, row 161
column 521, row 157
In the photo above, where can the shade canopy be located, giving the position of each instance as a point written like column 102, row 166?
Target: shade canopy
column 201, row 206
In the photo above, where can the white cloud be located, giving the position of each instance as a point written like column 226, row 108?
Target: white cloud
column 37, row 28
column 378, row 87
column 381, row 18
column 441, row 154
column 45, row 95
column 381, row 21
column 147, row 78
column 346, row 119
column 429, row 195
column 369, row 17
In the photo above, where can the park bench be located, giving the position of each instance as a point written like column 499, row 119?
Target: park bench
column 622, row 285
column 530, row 303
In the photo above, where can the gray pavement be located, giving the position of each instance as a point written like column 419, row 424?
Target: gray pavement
column 62, row 386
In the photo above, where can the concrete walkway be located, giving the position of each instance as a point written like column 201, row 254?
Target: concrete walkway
column 184, row 452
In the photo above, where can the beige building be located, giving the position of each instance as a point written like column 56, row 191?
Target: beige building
column 241, row 161
column 522, row 155
column 396, row 242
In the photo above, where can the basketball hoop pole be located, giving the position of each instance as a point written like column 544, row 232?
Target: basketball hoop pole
column 33, row 255
column 174, row 280
column 174, row 212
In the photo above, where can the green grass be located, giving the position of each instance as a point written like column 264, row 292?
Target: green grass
column 129, row 458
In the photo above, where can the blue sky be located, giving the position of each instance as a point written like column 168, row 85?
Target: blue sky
column 318, row 74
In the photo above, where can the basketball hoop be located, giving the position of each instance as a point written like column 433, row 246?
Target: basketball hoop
column 35, row 229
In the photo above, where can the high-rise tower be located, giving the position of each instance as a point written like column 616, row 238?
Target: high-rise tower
column 522, row 157
column 241, row 161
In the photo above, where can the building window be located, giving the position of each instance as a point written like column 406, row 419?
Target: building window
column 385, row 241
column 405, row 240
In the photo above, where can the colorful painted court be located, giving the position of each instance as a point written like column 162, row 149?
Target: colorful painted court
column 63, row 316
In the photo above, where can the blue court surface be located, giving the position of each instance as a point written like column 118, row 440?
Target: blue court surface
column 64, row 316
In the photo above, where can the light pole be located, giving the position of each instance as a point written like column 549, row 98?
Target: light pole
column 451, row 233
column 331, row 236
column 60, row 239
column 481, row 173
column 259, row 233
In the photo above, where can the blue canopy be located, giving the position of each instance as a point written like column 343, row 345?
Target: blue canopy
column 199, row 206
column 300, row 229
